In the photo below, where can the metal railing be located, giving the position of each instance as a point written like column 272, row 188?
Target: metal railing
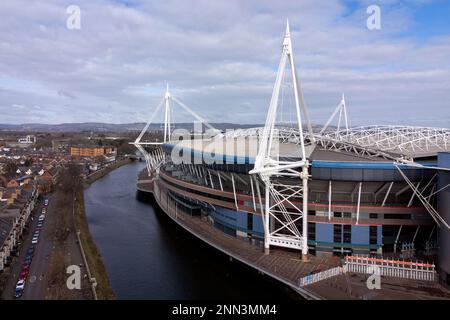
column 316, row 277
column 391, row 267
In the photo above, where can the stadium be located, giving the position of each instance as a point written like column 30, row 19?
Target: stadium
column 329, row 190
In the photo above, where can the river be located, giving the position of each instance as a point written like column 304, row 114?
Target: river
column 148, row 256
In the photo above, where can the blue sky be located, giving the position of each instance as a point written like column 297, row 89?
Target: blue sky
column 220, row 59
column 432, row 20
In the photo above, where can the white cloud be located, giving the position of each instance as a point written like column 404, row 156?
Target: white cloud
column 217, row 55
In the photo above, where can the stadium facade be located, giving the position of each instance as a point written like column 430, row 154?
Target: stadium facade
column 378, row 190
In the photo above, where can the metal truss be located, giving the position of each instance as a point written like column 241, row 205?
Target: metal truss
column 280, row 133
column 342, row 111
column 404, row 140
column 156, row 157
column 292, row 135
column 329, row 142
column 283, row 219
column 426, row 199
column 281, row 216
column 375, row 142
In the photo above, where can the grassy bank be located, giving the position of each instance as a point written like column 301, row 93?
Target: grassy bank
column 103, row 172
column 94, row 260
column 93, row 257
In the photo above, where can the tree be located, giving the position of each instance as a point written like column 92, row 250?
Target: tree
column 70, row 178
column 100, row 160
column 43, row 143
column 28, row 162
column 10, row 169
column 123, row 147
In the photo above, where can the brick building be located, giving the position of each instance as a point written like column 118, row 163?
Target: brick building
column 90, row 151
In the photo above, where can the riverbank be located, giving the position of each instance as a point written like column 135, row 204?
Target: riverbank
column 148, row 257
column 103, row 172
column 95, row 263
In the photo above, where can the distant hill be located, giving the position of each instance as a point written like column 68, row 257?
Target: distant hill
column 106, row 127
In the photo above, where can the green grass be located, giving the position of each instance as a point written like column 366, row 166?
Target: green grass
column 94, row 259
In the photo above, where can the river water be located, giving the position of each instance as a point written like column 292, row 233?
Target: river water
column 148, row 256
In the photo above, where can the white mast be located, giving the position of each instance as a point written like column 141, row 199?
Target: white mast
column 167, row 98
column 269, row 167
column 342, row 110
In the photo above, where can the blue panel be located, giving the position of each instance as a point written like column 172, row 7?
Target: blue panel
column 257, row 224
column 225, row 216
column 379, row 235
column 356, row 165
column 444, row 159
column 360, row 235
column 324, row 232
column 211, row 156
column 242, row 220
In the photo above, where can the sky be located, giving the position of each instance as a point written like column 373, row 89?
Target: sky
column 220, row 58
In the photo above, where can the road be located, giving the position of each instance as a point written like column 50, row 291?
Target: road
column 36, row 284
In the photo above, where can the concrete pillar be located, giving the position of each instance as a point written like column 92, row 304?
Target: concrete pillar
column 444, row 212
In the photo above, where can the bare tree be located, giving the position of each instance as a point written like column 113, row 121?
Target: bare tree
column 70, row 179
column 10, row 169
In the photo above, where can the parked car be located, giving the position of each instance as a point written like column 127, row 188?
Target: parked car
column 24, row 274
column 18, row 292
column 45, row 202
column 40, row 224
column 44, row 211
column 41, row 217
column 20, row 286
column 35, row 240
column 27, row 260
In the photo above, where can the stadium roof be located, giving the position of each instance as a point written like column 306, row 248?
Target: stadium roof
column 369, row 143
column 414, row 142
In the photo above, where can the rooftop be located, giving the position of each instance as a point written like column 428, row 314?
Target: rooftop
column 373, row 143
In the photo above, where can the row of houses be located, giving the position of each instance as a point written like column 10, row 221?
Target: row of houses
column 42, row 178
column 14, row 219
column 36, row 173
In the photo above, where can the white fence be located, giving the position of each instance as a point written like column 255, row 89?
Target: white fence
column 312, row 278
column 384, row 267
column 391, row 267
